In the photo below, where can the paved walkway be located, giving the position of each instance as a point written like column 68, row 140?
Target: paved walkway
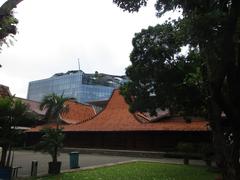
column 25, row 158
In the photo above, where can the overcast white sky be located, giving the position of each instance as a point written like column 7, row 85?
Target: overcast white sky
column 53, row 34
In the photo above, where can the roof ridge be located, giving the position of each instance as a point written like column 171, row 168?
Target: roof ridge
column 28, row 100
column 84, row 108
column 97, row 114
column 74, row 101
column 147, row 120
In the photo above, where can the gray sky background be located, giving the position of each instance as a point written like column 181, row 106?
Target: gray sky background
column 53, row 34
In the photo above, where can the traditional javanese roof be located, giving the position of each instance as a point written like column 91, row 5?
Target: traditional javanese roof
column 33, row 106
column 147, row 117
column 78, row 113
column 4, row 91
column 116, row 117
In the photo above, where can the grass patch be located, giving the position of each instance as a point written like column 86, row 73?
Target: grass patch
column 139, row 171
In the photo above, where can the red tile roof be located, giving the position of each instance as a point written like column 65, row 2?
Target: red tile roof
column 33, row 106
column 116, row 117
column 40, row 127
column 77, row 113
column 146, row 117
column 4, row 91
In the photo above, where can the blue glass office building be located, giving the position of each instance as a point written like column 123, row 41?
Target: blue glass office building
column 77, row 84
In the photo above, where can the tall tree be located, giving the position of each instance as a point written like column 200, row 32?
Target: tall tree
column 55, row 106
column 52, row 139
column 7, row 20
column 213, row 29
column 8, row 6
column 161, row 77
column 12, row 112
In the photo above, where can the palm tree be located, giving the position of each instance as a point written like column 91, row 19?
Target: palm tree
column 51, row 142
column 55, row 106
column 52, row 139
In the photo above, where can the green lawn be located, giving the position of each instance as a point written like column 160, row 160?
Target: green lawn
column 140, row 171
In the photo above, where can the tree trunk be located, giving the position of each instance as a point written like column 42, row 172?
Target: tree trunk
column 218, row 135
column 9, row 6
column 9, row 156
column 3, row 156
column 55, row 154
column 233, row 167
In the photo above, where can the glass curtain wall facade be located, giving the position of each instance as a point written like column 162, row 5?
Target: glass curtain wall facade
column 70, row 85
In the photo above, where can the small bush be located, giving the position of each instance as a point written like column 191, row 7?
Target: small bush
column 207, row 151
column 185, row 147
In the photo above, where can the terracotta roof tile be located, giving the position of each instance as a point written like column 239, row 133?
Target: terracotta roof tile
column 4, row 91
column 146, row 117
column 77, row 113
column 40, row 127
column 116, row 117
column 33, row 106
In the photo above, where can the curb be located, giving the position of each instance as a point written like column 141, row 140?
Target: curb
column 98, row 166
column 129, row 153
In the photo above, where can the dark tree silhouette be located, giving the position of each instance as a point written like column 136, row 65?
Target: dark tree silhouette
column 213, row 29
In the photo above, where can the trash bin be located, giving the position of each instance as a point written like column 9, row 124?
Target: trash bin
column 74, row 160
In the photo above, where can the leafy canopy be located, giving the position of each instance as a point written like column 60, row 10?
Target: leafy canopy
column 51, row 142
column 211, row 30
column 161, row 76
column 12, row 112
column 55, row 106
column 8, row 22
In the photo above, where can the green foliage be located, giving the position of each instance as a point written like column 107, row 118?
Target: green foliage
column 5, row 106
column 161, row 77
column 207, row 150
column 51, row 141
column 30, row 120
column 7, row 28
column 186, row 147
column 211, row 30
column 11, row 114
column 132, row 5
column 8, row 22
column 55, row 106
column 140, row 171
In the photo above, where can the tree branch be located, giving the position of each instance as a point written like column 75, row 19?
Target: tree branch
column 8, row 6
